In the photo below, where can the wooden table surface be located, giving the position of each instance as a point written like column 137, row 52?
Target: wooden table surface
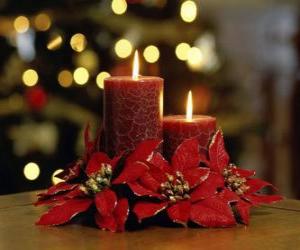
column 271, row 227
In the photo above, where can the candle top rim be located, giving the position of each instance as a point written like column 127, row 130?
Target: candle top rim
column 183, row 118
column 129, row 78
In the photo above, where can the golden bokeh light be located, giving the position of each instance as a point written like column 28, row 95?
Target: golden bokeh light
column 123, row 48
column 21, row 24
column 81, row 76
column 42, row 22
column 195, row 59
column 188, row 11
column 65, row 78
column 55, row 42
column 151, row 54
column 100, row 79
column 78, row 42
column 119, row 7
column 30, row 77
column 182, row 50
column 31, row 171
column 56, row 180
column 87, row 59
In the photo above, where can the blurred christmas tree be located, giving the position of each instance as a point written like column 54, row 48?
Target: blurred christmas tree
column 56, row 54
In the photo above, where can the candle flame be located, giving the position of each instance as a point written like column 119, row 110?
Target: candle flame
column 189, row 107
column 135, row 69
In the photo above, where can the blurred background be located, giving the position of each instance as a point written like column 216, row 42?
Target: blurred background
column 240, row 59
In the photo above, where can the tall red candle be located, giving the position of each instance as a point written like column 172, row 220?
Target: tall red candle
column 133, row 111
column 177, row 128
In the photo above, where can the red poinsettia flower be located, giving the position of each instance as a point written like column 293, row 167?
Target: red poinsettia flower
column 171, row 186
column 71, row 199
column 227, row 177
column 89, row 182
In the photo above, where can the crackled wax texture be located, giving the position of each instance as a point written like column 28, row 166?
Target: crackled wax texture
column 176, row 129
column 132, row 111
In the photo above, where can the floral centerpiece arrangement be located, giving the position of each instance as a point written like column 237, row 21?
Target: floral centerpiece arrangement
column 195, row 187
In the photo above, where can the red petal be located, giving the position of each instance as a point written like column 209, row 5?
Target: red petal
column 121, row 213
column 52, row 201
column 186, row 155
column 89, row 144
column 95, row 162
column 212, row 212
column 58, row 188
column 180, row 212
column 106, row 202
column 63, row 213
column 144, row 151
column 196, row 176
column 139, row 190
column 72, row 171
column 228, row 196
column 113, row 162
column 77, row 192
column 208, row 188
column 160, row 162
column 256, row 199
column 61, row 198
column 158, row 168
column 218, row 156
column 243, row 172
column 106, row 222
column 131, row 172
column 243, row 208
column 149, row 182
column 257, row 184
column 145, row 209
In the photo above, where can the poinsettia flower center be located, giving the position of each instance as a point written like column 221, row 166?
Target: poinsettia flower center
column 175, row 188
column 234, row 181
column 99, row 180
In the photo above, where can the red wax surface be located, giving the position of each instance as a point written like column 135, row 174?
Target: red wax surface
column 133, row 111
column 176, row 129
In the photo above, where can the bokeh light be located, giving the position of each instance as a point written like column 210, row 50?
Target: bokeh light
column 88, row 59
column 55, row 42
column 123, row 48
column 21, row 24
column 151, row 54
column 188, row 11
column 119, row 7
column 100, row 79
column 195, row 59
column 42, row 22
column 78, row 42
column 182, row 50
column 30, row 77
column 65, row 78
column 31, row 171
column 81, row 76
column 54, row 179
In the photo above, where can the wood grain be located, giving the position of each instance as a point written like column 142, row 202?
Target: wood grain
column 272, row 227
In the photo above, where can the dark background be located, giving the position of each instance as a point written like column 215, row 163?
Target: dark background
column 247, row 75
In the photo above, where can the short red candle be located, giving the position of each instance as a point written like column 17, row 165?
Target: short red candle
column 133, row 111
column 177, row 128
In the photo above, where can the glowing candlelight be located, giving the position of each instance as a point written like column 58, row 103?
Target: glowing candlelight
column 189, row 107
column 135, row 68
column 177, row 128
column 128, row 103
